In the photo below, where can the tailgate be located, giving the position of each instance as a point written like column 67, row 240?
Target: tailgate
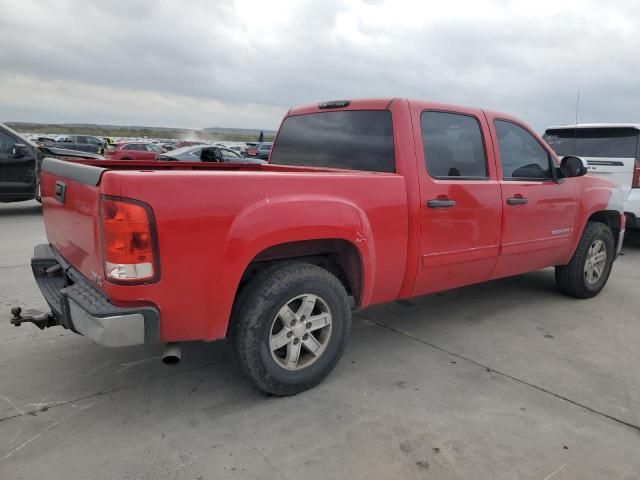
column 617, row 170
column 70, row 202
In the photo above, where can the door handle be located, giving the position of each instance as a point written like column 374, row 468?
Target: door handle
column 437, row 203
column 517, row 201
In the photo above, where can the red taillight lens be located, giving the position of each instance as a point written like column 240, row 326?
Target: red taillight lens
column 636, row 174
column 128, row 241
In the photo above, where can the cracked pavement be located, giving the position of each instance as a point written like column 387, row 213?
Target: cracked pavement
column 503, row 380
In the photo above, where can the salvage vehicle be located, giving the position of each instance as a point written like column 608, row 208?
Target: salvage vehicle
column 20, row 162
column 133, row 151
column 204, row 153
column 363, row 202
column 264, row 149
column 251, row 149
column 612, row 151
column 82, row 143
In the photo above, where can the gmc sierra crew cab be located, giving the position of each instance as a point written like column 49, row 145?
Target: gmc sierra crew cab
column 363, row 202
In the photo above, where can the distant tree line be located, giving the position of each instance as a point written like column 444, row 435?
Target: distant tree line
column 101, row 131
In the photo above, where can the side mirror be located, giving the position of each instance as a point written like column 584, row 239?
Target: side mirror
column 20, row 150
column 572, row 166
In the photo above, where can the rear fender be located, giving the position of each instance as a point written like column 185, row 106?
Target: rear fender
column 289, row 218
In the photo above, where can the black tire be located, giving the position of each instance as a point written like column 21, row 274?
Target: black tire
column 256, row 310
column 571, row 279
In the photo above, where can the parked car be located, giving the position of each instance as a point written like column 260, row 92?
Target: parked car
column 20, row 162
column 43, row 140
column 133, row 151
column 264, row 149
column 167, row 147
column 82, row 143
column 612, row 151
column 202, row 153
column 251, row 149
column 364, row 202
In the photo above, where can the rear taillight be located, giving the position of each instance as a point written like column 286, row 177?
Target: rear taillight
column 129, row 244
column 636, row 174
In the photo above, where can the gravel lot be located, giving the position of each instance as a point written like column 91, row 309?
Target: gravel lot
column 503, row 380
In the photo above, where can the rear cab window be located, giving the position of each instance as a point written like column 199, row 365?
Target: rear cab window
column 348, row 139
column 612, row 142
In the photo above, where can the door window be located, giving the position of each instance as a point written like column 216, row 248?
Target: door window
column 521, row 155
column 453, row 146
column 6, row 144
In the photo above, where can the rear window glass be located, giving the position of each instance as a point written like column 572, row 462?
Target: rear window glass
column 593, row 142
column 354, row 140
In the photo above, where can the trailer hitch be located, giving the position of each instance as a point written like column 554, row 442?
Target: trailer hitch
column 43, row 321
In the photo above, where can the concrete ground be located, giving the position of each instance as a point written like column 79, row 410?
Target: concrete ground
column 503, row 380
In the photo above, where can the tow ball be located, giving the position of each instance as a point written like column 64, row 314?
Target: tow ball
column 43, row 321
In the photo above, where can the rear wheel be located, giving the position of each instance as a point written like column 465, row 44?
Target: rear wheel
column 289, row 327
column 587, row 273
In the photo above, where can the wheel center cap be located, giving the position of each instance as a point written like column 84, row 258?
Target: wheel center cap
column 299, row 330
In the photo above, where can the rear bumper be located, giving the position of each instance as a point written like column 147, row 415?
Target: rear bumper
column 80, row 307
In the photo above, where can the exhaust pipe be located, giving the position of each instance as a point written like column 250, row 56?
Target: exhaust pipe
column 172, row 353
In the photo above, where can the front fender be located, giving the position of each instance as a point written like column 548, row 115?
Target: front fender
column 596, row 195
column 289, row 218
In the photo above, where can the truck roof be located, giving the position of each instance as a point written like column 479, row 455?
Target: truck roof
column 378, row 104
column 596, row 125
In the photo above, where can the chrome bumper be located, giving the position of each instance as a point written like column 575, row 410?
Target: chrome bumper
column 77, row 305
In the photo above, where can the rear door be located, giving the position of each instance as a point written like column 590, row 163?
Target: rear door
column 609, row 151
column 460, row 211
column 539, row 213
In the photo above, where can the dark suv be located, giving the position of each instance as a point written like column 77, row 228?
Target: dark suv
column 20, row 164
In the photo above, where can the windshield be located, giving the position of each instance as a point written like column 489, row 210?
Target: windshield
column 593, row 142
column 355, row 140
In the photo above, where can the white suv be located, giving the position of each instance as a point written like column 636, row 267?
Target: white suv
column 612, row 151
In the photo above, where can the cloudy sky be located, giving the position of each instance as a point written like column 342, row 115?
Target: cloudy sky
column 199, row 63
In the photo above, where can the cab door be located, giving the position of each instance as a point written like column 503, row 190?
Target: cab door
column 460, row 211
column 539, row 210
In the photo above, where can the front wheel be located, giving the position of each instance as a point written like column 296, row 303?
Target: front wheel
column 289, row 327
column 587, row 273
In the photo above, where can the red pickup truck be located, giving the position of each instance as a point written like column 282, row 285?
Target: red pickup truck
column 364, row 202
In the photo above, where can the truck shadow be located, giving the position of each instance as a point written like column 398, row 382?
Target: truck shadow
column 20, row 209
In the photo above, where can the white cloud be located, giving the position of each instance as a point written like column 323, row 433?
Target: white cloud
column 243, row 63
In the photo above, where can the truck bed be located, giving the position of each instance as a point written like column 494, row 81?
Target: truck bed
column 212, row 220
